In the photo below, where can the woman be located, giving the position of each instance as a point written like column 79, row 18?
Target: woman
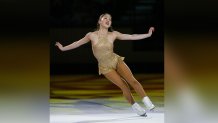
column 112, row 65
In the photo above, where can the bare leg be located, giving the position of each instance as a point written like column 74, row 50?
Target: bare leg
column 126, row 73
column 114, row 77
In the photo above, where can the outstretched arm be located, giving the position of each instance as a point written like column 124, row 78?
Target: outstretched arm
column 75, row 44
column 121, row 36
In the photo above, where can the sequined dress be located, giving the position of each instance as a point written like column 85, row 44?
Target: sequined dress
column 103, row 52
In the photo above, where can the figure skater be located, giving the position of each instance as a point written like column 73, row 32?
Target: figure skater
column 112, row 65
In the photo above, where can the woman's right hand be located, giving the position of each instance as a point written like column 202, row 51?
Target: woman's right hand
column 59, row 46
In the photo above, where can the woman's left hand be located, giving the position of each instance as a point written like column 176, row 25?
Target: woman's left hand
column 151, row 29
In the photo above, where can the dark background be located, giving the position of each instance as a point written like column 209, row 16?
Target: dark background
column 71, row 19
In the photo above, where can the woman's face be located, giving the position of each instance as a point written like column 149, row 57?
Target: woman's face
column 105, row 21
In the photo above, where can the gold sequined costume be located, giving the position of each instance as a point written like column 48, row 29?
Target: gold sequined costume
column 107, row 59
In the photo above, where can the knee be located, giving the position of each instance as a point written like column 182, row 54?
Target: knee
column 133, row 82
column 125, row 88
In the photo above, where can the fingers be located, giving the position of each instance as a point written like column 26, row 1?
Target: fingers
column 57, row 44
column 152, row 29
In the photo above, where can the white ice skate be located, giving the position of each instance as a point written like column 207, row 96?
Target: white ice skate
column 138, row 109
column 148, row 103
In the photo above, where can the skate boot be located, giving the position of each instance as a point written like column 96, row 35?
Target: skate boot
column 138, row 109
column 148, row 103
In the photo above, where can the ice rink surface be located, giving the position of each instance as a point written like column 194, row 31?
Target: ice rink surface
column 101, row 111
column 94, row 99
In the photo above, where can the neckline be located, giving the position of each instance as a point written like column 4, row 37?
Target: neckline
column 102, row 38
column 101, row 35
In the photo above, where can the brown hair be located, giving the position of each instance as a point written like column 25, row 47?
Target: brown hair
column 98, row 25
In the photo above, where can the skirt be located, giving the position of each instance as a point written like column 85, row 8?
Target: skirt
column 109, row 63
